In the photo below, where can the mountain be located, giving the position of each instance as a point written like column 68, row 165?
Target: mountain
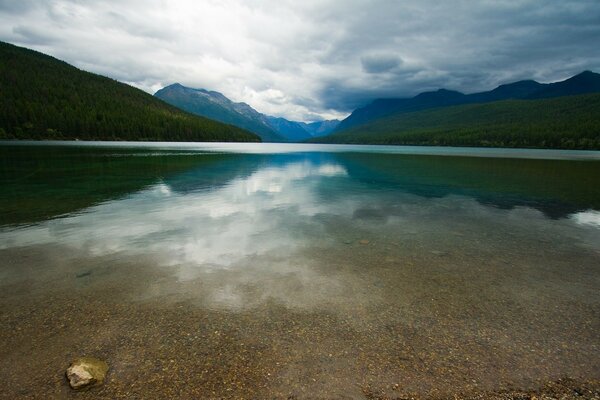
column 585, row 82
column 291, row 130
column 321, row 128
column 516, row 90
column 215, row 105
column 381, row 107
column 566, row 122
column 45, row 98
column 300, row 131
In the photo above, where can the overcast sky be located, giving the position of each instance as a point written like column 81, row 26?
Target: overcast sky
column 309, row 60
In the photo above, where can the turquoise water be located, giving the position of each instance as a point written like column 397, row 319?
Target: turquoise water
column 334, row 270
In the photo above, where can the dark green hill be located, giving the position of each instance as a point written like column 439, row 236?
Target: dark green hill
column 380, row 108
column 516, row 90
column 569, row 122
column 585, row 82
column 45, row 98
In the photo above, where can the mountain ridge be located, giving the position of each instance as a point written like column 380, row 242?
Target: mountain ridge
column 215, row 105
column 584, row 82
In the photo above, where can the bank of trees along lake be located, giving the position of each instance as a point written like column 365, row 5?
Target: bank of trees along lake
column 44, row 98
column 570, row 122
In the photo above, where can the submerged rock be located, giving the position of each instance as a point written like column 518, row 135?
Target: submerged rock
column 86, row 372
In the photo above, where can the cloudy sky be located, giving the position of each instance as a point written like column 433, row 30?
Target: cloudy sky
column 313, row 59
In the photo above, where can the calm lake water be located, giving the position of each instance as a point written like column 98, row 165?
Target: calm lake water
column 302, row 271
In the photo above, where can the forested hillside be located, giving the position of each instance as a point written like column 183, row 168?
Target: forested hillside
column 583, row 83
column 570, row 122
column 45, row 98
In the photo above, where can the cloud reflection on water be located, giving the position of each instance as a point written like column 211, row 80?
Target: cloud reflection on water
column 249, row 216
column 589, row 217
column 265, row 235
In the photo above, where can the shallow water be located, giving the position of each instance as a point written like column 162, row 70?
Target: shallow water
column 233, row 270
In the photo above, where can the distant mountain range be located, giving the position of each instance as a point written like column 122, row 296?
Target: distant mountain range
column 214, row 105
column 585, row 82
column 45, row 98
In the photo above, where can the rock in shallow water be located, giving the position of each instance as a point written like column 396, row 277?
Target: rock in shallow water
column 86, row 372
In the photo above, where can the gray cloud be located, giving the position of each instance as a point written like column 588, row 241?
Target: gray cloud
column 313, row 59
column 375, row 64
column 32, row 36
column 16, row 6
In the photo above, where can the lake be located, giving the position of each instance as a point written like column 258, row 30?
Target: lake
column 297, row 271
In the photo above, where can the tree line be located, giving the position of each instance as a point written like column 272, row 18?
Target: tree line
column 570, row 122
column 44, row 98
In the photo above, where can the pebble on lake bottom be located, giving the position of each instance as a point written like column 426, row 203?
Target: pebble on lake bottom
column 86, row 372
